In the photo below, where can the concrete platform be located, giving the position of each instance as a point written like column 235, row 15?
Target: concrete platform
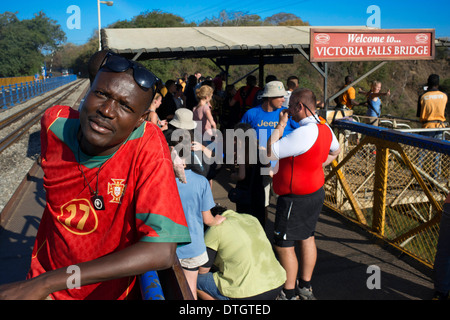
column 345, row 253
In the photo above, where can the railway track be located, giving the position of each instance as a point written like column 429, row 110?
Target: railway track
column 30, row 115
column 20, row 141
column 22, row 195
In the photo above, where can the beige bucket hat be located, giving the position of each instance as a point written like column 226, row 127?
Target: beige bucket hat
column 183, row 119
column 274, row 89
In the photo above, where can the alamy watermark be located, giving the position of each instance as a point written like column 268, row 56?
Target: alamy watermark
column 374, row 280
column 374, row 19
column 74, row 280
column 74, row 20
column 235, row 147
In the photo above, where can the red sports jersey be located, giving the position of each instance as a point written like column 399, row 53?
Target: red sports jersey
column 140, row 196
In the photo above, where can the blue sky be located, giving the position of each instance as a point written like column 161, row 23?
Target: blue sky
column 394, row 14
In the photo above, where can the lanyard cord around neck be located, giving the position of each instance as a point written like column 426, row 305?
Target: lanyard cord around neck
column 84, row 176
column 320, row 121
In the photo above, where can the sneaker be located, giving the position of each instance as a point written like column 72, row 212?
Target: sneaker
column 306, row 293
column 282, row 296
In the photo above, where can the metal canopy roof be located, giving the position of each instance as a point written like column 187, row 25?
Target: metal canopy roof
column 198, row 42
column 217, row 42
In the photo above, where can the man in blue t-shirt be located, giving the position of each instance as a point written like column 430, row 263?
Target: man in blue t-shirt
column 264, row 118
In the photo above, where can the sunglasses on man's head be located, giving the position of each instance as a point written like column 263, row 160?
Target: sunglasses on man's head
column 142, row 76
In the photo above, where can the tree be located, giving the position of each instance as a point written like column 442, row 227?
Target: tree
column 295, row 22
column 47, row 34
column 79, row 65
column 152, row 19
column 232, row 18
column 24, row 43
column 278, row 18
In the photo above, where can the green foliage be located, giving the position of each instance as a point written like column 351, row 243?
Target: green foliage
column 152, row 19
column 47, row 35
column 294, row 22
column 24, row 43
column 445, row 85
column 173, row 69
column 241, row 18
column 85, row 52
column 232, row 18
column 285, row 19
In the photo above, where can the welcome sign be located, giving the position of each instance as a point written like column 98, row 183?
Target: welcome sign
column 369, row 45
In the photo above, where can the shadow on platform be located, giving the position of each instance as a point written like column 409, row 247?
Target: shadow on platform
column 346, row 258
column 346, row 254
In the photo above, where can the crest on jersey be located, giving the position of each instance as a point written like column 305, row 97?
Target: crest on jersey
column 116, row 189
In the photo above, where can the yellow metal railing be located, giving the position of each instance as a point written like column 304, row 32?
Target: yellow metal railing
column 14, row 80
column 392, row 184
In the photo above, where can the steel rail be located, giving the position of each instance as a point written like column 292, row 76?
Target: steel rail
column 16, row 116
column 11, row 138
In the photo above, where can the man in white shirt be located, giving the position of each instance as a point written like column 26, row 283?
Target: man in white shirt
column 302, row 154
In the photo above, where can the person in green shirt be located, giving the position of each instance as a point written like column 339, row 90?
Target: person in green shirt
column 241, row 253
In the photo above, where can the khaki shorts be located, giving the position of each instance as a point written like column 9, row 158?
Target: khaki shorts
column 195, row 262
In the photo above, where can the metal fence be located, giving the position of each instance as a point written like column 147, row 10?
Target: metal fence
column 13, row 80
column 392, row 183
column 13, row 94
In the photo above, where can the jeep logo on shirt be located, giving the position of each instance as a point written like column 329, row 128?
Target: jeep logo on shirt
column 272, row 124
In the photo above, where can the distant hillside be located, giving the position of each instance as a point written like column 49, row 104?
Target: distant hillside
column 405, row 79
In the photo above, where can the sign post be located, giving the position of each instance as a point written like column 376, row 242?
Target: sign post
column 329, row 45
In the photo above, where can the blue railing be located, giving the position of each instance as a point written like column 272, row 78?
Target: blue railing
column 13, row 94
column 412, row 139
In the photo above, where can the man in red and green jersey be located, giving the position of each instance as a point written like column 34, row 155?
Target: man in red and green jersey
column 113, row 208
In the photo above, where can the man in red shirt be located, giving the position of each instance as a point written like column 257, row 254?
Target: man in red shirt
column 299, row 183
column 113, row 210
column 246, row 97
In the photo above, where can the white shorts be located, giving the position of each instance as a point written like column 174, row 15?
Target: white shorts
column 195, row 262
